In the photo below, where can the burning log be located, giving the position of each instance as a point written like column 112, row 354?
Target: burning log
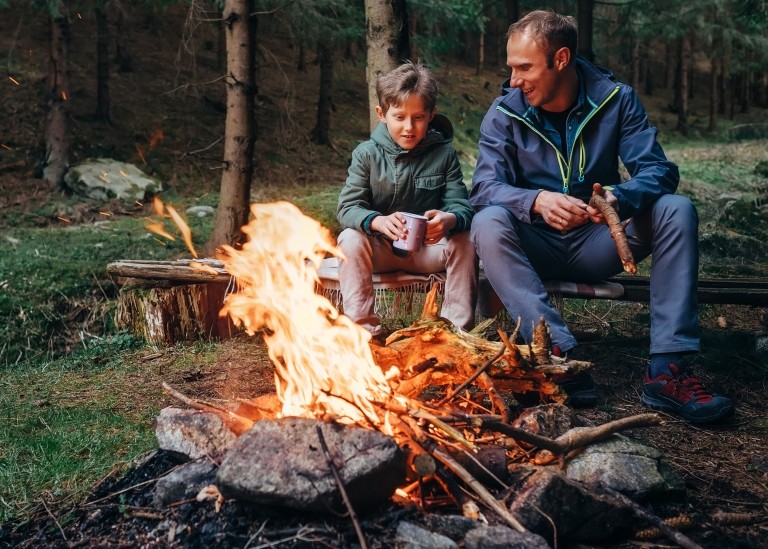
column 617, row 229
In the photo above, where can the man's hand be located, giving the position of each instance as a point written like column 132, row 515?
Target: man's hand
column 392, row 226
column 561, row 211
column 595, row 215
column 438, row 225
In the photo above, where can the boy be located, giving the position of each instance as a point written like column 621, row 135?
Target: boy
column 408, row 165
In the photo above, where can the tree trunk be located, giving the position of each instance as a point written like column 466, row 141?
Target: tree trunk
column 585, row 12
column 713, row 69
column 636, row 64
column 721, row 109
column 102, row 67
column 232, row 211
column 122, row 57
column 682, row 93
column 56, row 159
column 744, row 92
column 671, row 64
column 387, row 43
column 321, row 134
column 171, row 314
column 480, row 54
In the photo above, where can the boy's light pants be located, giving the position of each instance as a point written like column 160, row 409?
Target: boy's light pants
column 366, row 255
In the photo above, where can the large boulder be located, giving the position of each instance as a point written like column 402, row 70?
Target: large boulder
column 105, row 179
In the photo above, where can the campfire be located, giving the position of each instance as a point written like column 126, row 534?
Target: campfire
column 439, row 394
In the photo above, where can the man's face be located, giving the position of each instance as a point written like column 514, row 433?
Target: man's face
column 528, row 63
column 407, row 123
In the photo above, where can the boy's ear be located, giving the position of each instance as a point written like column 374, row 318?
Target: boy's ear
column 432, row 114
column 381, row 114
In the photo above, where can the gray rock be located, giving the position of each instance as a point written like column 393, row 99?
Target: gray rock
column 184, row 482
column 104, row 179
column 637, row 471
column 452, row 526
column 548, row 497
column 201, row 211
column 501, row 537
column 192, row 433
column 280, row 462
column 410, row 536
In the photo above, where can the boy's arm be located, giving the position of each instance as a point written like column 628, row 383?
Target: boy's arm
column 355, row 207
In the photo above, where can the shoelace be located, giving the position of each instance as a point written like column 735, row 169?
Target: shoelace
column 687, row 385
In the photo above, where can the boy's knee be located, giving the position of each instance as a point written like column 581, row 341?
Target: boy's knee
column 351, row 239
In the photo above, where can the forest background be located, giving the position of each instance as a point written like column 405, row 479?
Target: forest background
column 147, row 87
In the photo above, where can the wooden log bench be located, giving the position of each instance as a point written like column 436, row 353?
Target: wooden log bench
column 169, row 301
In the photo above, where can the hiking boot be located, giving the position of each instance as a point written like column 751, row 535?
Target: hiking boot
column 682, row 394
column 579, row 386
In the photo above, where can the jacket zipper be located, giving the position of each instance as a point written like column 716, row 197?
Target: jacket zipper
column 565, row 172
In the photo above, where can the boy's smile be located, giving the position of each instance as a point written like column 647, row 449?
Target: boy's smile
column 408, row 122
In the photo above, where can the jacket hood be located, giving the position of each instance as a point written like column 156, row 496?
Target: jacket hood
column 440, row 131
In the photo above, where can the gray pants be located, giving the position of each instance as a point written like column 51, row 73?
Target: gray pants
column 517, row 256
column 366, row 255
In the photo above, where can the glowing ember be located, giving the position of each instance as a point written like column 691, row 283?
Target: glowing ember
column 324, row 365
column 161, row 210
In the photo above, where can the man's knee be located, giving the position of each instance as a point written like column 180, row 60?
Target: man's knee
column 675, row 211
column 488, row 223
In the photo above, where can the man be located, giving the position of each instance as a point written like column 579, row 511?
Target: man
column 560, row 125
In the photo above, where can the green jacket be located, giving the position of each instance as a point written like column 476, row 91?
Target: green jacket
column 384, row 178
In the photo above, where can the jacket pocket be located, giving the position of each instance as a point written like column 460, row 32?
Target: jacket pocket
column 430, row 182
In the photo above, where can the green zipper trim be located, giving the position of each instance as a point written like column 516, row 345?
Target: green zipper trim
column 565, row 167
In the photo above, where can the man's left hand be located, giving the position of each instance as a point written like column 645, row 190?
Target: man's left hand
column 595, row 215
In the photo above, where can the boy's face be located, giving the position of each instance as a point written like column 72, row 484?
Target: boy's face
column 407, row 123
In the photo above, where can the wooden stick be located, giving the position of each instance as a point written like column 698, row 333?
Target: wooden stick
column 236, row 423
column 340, row 484
column 614, row 224
column 570, row 441
column 678, row 537
column 471, row 378
column 443, row 457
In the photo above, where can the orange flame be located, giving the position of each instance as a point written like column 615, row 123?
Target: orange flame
column 324, row 366
column 159, row 209
column 156, row 138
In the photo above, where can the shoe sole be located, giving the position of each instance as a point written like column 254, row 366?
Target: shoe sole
column 664, row 407
column 583, row 399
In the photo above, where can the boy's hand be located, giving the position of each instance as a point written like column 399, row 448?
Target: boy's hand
column 438, row 225
column 392, row 226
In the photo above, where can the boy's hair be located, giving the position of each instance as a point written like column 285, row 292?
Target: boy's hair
column 395, row 87
column 551, row 31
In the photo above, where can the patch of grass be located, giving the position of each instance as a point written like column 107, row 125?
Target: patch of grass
column 65, row 424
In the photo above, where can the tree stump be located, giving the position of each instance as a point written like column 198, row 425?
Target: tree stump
column 170, row 301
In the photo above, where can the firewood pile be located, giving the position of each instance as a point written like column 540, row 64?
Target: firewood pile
column 449, row 415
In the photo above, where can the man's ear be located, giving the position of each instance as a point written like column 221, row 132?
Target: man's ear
column 562, row 58
column 381, row 114
column 432, row 114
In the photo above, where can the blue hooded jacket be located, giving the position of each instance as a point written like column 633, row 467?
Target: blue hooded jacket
column 519, row 154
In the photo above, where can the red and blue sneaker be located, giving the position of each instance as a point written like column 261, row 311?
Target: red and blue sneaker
column 681, row 393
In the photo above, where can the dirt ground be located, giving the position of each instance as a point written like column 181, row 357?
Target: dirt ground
column 724, row 465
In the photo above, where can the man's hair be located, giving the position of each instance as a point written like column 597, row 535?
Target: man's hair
column 551, row 31
column 395, row 87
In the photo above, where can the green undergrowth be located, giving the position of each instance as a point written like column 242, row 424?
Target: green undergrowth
column 67, row 423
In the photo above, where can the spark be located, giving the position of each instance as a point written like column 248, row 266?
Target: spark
column 12, row 79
